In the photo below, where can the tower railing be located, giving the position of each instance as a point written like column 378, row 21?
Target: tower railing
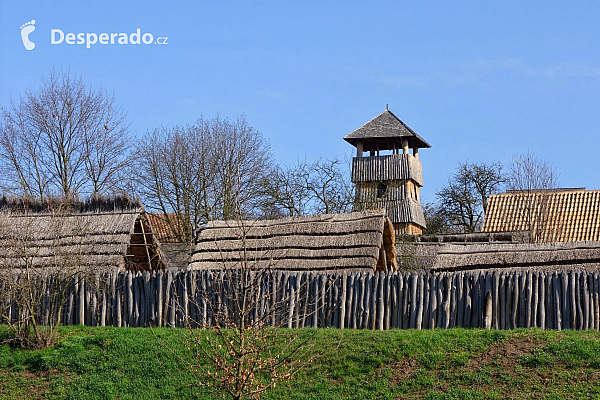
column 385, row 168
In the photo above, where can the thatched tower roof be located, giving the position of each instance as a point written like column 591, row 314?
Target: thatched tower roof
column 383, row 128
column 558, row 215
column 358, row 241
column 115, row 239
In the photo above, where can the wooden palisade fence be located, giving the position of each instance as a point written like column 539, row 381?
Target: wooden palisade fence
column 474, row 299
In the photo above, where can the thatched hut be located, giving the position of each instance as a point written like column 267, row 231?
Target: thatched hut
column 452, row 257
column 357, row 241
column 98, row 239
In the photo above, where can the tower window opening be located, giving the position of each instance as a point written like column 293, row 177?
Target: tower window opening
column 381, row 189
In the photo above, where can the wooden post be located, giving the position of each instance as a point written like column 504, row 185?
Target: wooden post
column 400, row 311
column 596, row 278
column 394, row 300
column 388, row 300
column 468, row 284
column 460, row 300
column 495, row 300
column 367, row 300
column 487, row 319
column 356, row 300
column 160, row 298
column 119, row 301
column 407, row 301
column 374, row 302
column 81, row 303
column 529, row 297
column 453, row 299
column 585, row 300
column 425, row 296
column 503, row 301
column 522, row 298
column 168, row 295
column 432, row 301
column 419, row 301
column 542, row 299
column 380, row 299
column 145, row 298
column 447, row 290
column 292, row 301
column 534, row 303
column 573, row 300
column 550, row 311
column 557, row 297
column 476, row 300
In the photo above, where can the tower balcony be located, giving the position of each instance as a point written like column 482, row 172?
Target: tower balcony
column 386, row 168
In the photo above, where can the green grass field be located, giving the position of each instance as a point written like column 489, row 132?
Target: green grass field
column 119, row 363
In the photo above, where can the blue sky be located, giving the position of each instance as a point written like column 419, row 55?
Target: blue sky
column 478, row 81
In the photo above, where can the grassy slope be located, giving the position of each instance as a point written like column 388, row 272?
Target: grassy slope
column 454, row 364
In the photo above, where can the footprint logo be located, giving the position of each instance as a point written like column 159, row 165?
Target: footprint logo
column 26, row 29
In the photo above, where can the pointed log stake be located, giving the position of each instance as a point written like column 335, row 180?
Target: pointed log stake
column 468, row 293
column 159, row 298
column 597, row 299
column 502, row 299
column 487, row 319
column 534, row 303
column 425, row 296
column 447, row 297
column 373, row 304
column 419, row 300
column 529, row 296
column 573, row 301
column 585, row 298
column 460, row 299
column 400, row 311
column 495, row 300
column 557, row 297
column 542, row 300
column 380, row 300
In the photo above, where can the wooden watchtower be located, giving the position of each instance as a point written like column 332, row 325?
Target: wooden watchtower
column 390, row 177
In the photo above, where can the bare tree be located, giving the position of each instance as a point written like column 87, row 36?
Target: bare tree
column 39, row 267
column 194, row 174
column 533, row 179
column 436, row 219
column 320, row 187
column 238, row 346
column 464, row 197
column 285, row 190
column 65, row 139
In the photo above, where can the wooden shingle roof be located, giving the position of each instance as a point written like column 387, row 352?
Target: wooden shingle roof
column 386, row 126
column 317, row 242
column 163, row 227
column 555, row 215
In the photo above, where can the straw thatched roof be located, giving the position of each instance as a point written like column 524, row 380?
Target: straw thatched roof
column 384, row 128
column 120, row 238
column 358, row 241
column 540, row 255
column 550, row 215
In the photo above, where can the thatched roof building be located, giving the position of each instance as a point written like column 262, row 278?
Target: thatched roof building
column 98, row 239
column 585, row 255
column 357, row 241
column 557, row 215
